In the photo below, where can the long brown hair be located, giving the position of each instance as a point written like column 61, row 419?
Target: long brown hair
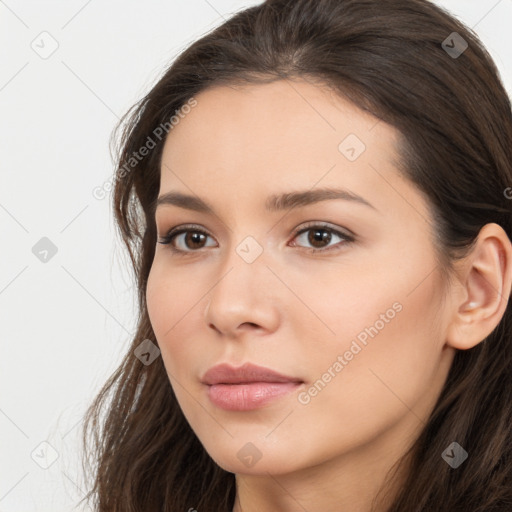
column 401, row 61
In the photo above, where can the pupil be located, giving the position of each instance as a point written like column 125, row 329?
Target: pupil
column 194, row 237
column 319, row 235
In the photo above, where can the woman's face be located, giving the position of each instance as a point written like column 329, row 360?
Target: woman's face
column 358, row 323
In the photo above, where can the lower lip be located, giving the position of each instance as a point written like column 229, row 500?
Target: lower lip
column 245, row 397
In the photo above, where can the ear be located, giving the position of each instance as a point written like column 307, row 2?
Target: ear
column 484, row 291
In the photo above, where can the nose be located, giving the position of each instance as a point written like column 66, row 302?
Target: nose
column 243, row 298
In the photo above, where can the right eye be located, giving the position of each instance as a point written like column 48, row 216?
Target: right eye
column 190, row 237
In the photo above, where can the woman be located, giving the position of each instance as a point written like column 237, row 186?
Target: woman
column 316, row 201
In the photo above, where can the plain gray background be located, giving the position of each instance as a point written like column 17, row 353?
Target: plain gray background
column 67, row 322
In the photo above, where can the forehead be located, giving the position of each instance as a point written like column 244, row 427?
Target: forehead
column 283, row 119
column 265, row 138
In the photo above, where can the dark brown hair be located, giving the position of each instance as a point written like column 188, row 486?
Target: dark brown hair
column 455, row 121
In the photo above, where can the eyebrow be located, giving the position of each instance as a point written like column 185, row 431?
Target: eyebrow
column 273, row 203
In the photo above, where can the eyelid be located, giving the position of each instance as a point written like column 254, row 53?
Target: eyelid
column 178, row 230
column 344, row 232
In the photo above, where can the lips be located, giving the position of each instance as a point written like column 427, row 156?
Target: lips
column 227, row 374
column 247, row 387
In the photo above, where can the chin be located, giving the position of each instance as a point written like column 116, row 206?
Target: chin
column 250, row 460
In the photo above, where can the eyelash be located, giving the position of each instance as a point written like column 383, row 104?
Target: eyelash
column 174, row 232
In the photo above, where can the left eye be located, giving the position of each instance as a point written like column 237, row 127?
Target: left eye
column 319, row 236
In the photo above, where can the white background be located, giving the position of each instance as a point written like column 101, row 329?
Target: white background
column 66, row 323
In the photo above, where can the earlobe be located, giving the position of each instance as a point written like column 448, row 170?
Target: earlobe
column 485, row 285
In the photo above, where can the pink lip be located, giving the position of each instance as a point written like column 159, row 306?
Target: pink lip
column 246, row 387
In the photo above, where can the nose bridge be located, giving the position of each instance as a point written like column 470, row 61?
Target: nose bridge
column 244, row 266
column 241, row 293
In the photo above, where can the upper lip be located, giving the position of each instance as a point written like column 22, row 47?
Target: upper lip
column 227, row 374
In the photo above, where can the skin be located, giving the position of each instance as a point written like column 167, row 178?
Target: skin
column 296, row 312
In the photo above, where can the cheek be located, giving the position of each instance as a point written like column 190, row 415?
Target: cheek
column 389, row 341
column 170, row 302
